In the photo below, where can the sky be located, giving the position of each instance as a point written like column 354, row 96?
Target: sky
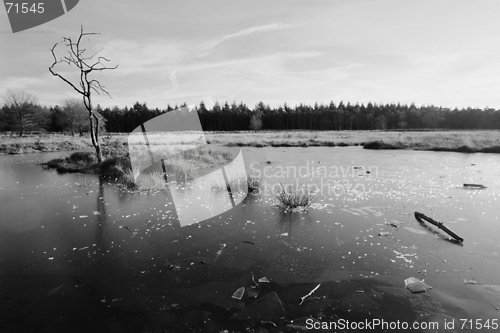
column 445, row 53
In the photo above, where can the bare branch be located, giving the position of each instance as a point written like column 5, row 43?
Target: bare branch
column 51, row 69
column 103, row 68
column 70, row 60
column 101, row 87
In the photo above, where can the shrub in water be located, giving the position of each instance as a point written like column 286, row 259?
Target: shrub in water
column 293, row 196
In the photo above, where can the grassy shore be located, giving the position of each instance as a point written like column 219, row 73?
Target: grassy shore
column 36, row 143
column 181, row 168
column 116, row 164
column 461, row 141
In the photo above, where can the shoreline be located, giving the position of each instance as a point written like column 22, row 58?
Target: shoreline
column 36, row 148
column 41, row 143
column 447, row 141
column 372, row 145
column 380, row 145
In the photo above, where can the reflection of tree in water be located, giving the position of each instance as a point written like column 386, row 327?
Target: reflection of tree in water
column 113, row 263
column 110, row 284
column 102, row 217
column 103, row 263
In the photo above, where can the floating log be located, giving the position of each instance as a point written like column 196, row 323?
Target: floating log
column 302, row 299
column 420, row 217
column 474, row 185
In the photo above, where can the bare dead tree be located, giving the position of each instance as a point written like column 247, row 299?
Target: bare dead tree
column 86, row 65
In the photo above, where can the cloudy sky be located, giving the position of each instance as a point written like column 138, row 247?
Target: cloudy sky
column 428, row 52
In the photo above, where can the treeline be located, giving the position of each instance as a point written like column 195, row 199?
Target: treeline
column 70, row 117
column 237, row 117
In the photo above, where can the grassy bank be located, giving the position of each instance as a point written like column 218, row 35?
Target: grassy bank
column 460, row 141
column 380, row 145
column 116, row 165
column 465, row 142
column 36, row 143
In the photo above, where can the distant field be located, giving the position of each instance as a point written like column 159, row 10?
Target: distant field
column 425, row 140
column 410, row 140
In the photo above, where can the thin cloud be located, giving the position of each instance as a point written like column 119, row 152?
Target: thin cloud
column 257, row 28
column 275, row 56
column 207, row 47
column 173, row 81
column 236, row 68
column 141, row 57
column 228, row 80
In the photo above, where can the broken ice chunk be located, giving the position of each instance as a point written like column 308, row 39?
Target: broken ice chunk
column 416, row 286
column 238, row 294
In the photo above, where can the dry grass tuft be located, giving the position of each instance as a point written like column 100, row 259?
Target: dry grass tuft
column 293, row 197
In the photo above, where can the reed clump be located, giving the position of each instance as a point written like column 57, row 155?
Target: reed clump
column 292, row 197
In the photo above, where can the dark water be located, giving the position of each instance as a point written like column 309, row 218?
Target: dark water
column 77, row 254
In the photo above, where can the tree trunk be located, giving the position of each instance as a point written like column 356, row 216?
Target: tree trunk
column 21, row 129
column 98, row 153
column 98, row 144
column 94, row 130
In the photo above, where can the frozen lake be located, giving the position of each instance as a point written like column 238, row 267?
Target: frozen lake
column 78, row 254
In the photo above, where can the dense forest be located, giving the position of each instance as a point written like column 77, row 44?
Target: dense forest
column 72, row 117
